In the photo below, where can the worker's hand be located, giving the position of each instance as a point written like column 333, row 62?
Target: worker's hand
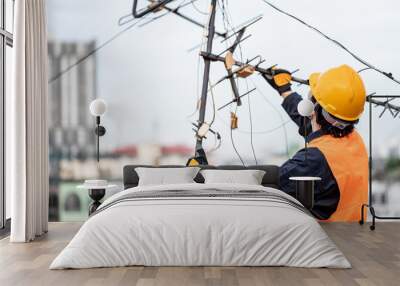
column 279, row 79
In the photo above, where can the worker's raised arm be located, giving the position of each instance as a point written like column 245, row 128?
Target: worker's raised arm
column 280, row 81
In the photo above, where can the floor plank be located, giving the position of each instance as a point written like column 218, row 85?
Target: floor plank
column 375, row 257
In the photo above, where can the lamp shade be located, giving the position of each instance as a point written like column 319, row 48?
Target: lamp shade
column 98, row 107
column 305, row 107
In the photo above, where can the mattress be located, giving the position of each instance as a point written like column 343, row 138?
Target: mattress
column 201, row 225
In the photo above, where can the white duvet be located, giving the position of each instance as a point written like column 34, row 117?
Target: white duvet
column 200, row 231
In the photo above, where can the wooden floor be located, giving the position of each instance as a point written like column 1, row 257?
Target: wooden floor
column 375, row 257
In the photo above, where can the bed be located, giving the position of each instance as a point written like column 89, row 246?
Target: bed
column 199, row 224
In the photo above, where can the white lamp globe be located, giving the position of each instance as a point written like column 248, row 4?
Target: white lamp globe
column 305, row 107
column 98, row 107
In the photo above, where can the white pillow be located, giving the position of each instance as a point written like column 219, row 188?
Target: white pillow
column 166, row 176
column 248, row 177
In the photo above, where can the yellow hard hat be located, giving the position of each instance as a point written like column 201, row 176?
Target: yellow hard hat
column 340, row 91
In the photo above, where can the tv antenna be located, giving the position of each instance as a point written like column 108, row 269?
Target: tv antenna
column 244, row 70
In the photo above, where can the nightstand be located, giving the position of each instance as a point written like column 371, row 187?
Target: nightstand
column 96, row 190
column 305, row 190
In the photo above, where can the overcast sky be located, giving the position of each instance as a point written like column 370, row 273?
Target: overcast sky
column 150, row 80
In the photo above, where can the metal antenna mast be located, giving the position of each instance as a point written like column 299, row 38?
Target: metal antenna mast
column 200, row 156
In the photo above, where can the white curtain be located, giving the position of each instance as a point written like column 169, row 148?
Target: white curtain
column 27, row 140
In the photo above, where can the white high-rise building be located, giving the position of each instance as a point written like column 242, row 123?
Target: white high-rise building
column 71, row 127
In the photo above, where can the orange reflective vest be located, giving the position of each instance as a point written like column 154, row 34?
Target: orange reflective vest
column 348, row 160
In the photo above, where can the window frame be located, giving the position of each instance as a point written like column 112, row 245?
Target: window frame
column 6, row 39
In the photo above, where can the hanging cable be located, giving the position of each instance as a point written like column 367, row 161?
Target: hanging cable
column 249, row 106
column 226, row 17
column 251, row 125
column 234, row 145
column 125, row 19
column 217, row 143
column 364, row 69
column 197, row 9
column 222, row 8
column 203, row 42
column 95, row 50
column 217, row 136
column 213, row 104
column 227, row 26
column 268, row 131
column 279, row 114
column 283, row 123
column 387, row 74
column 261, row 132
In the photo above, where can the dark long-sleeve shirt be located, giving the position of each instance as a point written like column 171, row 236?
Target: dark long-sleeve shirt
column 326, row 196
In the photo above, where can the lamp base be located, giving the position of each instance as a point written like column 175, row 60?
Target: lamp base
column 96, row 195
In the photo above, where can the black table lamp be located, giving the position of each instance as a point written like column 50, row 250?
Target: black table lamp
column 305, row 108
column 97, row 108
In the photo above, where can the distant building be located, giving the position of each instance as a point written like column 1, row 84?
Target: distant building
column 155, row 154
column 111, row 164
column 71, row 126
column 70, row 123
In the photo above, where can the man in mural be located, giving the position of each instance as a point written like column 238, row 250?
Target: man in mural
column 336, row 152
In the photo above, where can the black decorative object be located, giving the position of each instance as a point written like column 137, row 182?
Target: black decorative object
column 97, row 108
column 96, row 195
column 96, row 190
column 99, row 131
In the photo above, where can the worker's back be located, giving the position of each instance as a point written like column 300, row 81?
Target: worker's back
column 348, row 160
